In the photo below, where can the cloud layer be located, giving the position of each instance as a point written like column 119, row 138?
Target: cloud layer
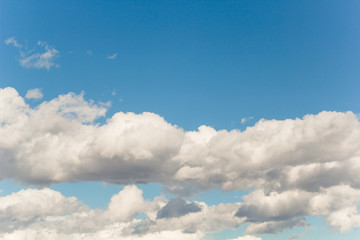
column 298, row 167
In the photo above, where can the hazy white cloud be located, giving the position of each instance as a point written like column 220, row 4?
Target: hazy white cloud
column 297, row 236
column 12, row 41
column 112, row 56
column 244, row 120
column 298, row 167
column 246, row 237
column 89, row 52
column 42, row 56
column 42, row 59
column 34, row 94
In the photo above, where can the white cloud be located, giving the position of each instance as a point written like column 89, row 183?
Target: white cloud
column 13, row 41
column 246, row 237
column 295, row 236
column 112, row 56
column 43, row 59
column 298, row 167
column 89, row 52
column 34, row 94
column 44, row 214
column 244, row 120
column 42, row 56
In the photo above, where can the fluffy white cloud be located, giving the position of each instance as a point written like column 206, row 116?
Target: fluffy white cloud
column 46, row 214
column 34, row 94
column 299, row 167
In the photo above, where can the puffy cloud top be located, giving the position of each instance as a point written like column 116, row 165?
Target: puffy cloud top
column 298, row 167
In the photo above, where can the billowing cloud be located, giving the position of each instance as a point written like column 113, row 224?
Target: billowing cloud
column 298, row 167
column 34, row 94
column 46, row 214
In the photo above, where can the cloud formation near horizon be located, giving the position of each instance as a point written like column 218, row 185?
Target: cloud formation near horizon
column 47, row 214
column 298, row 167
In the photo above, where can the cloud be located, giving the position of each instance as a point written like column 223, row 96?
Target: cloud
column 244, row 120
column 112, row 56
column 34, row 94
column 45, row 213
column 301, row 235
column 42, row 56
column 246, row 237
column 12, row 41
column 297, row 167
column 43, row 59
column 89, row 52
column 177, row 207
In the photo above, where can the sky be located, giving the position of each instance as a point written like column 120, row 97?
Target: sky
column 202, row 120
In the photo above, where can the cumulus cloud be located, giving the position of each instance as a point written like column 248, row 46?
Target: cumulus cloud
column 298, row 167
column 44, row 214
column 42, row 56
column 34, row 94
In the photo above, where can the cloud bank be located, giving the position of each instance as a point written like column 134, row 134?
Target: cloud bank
column 47, row 214
column 298, row 167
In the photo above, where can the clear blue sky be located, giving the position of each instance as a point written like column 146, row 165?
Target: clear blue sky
column 192, row 62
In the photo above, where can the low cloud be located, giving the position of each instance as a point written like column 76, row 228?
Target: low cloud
column 34, row 94
column 47, row 214
column 299, row 167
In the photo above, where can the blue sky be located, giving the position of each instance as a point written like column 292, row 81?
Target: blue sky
column 222, row 64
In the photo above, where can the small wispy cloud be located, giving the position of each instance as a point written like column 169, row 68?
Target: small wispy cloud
column 112, row 56
column 41, row 56
column 89, row 52
column 12, row 41
column 34, row 94
column 113, row 92
column 294, row 236
column 244, row 120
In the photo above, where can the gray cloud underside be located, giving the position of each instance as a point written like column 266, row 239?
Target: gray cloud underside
column 298, row 167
